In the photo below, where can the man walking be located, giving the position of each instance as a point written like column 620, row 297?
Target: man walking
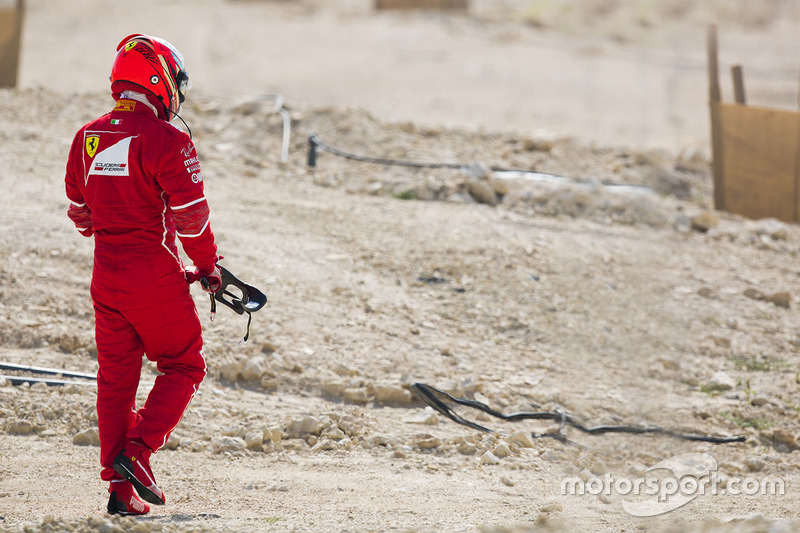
column 134, row 183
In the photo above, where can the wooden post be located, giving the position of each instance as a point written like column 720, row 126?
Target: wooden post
column 738, row 85
column 715, row 98
column 10, row 37
column 797, row 166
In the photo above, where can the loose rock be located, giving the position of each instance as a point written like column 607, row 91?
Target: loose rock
column 88, row 437
column 522, row 438
column 784, row 437
column 482, row 192
column 705, row 221
column 426, row 442
column 301, row 427
column 781, row 299
column 227, row 444
column 502, row 450
column 720, row 382
column 391, row 395
column 488, row 458
column 356, row 395
column 20, row 427
column 254, row 439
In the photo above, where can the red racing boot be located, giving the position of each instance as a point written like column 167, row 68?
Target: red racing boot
column 133, row 463
column 124, row 501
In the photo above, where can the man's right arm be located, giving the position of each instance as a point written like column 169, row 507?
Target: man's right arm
column 78, row 211
column 179, row 175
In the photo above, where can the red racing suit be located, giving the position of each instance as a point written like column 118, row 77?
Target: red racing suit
column 134, row 182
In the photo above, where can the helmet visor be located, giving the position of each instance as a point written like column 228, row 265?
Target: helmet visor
column 184, row 84
column 182, row 77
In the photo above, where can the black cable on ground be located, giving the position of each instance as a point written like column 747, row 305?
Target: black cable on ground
column 431, row 396
column 314, row 142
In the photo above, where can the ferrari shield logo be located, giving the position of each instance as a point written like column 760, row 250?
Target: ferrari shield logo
column 91, row 144
column 130, row 45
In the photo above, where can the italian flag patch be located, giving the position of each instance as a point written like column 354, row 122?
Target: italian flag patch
column 116, row 121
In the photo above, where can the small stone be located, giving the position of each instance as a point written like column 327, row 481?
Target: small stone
column 198, row 446
column 356, row 395
column 707, row 292
column 301, row 427
column 344, row 370
column 254, row 368
column 759, row 401
column 781, row 436
column 273, row 434
column 426, row 442
column 502, row 450
column 20, row 427
column 551, row 508
column 522, row 438
column 324, row 445
column 722, row 342
column 670, row 364
column 488, row 458
column 230, row 371
column 467, row 448
column 720, row 382
column 173, row 442
column 334, row 433
column 482, row 192
column 754, row 464
column 542, row 145
column 333, row 389
column 69, row 343
column 754, row 294
column 276, row 433
column 88, row 437
column 550, row 456
column 268, row 383
column 705, row 221
column 268, row 348
column 381, row 440
column 227, row 444
column 351, row 426
column 254, row 439
column 781, row 299
column 500, row 187
column 507, row 482
column 391, row 395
